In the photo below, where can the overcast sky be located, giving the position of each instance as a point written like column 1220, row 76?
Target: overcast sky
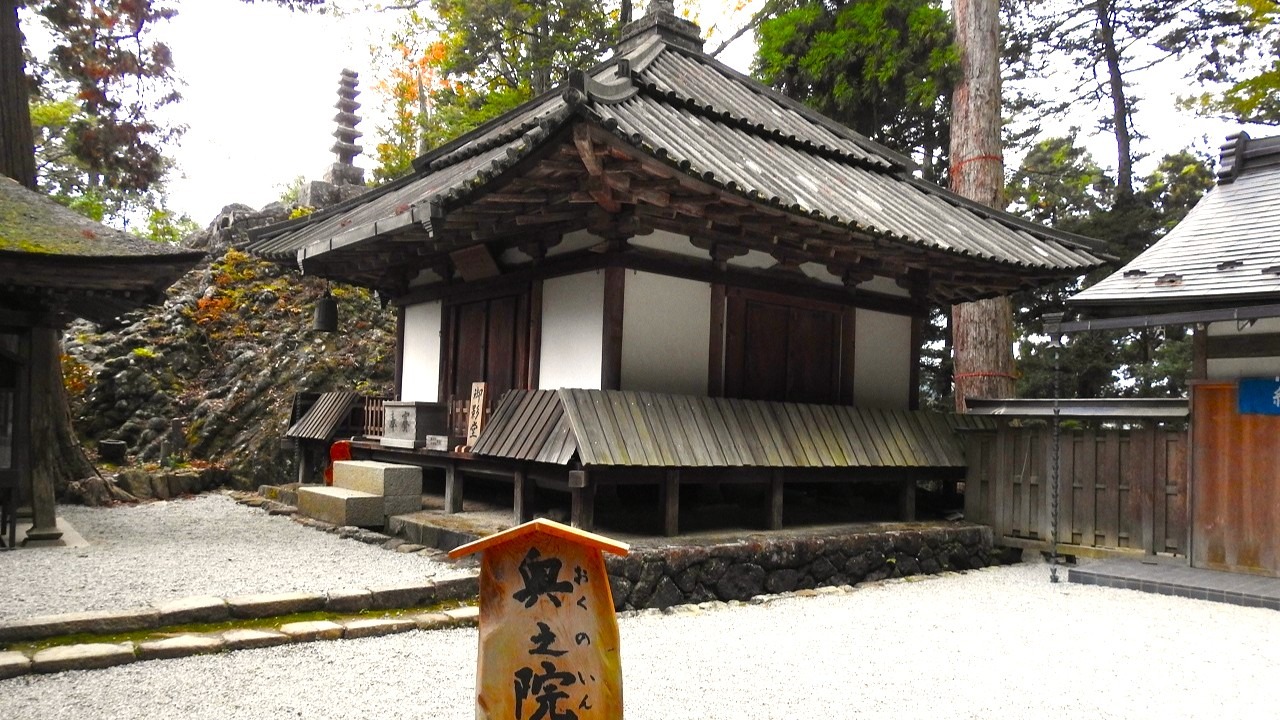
column 261, row 83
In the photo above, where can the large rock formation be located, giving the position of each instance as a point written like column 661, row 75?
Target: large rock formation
column 209, row 376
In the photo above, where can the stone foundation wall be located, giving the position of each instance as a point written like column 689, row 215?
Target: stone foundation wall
column 666, row 576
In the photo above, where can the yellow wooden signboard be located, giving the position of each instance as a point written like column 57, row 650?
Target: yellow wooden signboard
column 548, row 633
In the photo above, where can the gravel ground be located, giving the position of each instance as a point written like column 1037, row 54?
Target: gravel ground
column 207, row 545
column 996, row 643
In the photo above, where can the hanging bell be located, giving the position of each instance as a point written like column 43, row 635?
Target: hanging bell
column 326, row 318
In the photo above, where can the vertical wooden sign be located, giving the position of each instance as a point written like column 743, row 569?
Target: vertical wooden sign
column 548, row 633
column 475, row 412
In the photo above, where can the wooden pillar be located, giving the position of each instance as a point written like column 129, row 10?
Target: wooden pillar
column 775, row 500
column 671, row 504
column 40, row 371
column 907, row 499
column 522, row 511
column 583, row 510
column 452, row 489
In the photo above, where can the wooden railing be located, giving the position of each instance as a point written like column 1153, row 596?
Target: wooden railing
column 1123, row 487
column 374, row 412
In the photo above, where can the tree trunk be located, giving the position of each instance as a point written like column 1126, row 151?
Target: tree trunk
column 982, row 331
column 1119, row 104
column 17, row 154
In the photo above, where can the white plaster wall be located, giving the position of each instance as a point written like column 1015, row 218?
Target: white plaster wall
column 572, row 331
column 669, row 242
column 666, row 329
column 882, row 360
column 1263, row 325
column 1235, row 368
column 884, row 286
column 420, row 375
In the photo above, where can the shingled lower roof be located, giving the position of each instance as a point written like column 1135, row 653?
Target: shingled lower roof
column 1225, row 252
column 613, row 428
column 666, row 137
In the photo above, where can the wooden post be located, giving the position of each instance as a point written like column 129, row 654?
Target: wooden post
column 907, row 499
column 452, row 489
column 671, row 504
column 776, row 488
column 521, row 510
column 549, row 645
column 582, row 512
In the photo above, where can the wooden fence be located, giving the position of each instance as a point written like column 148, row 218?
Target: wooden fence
column 1123, row 491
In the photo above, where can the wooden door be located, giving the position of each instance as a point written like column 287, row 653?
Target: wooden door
column 488, row 342
column 787, row 349
column 1235, row 484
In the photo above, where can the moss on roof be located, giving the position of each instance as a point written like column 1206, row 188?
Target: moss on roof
column 32, row 223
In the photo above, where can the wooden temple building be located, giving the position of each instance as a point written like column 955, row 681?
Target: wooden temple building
column 56, row 265
column 1218, row 272
column 663, row 273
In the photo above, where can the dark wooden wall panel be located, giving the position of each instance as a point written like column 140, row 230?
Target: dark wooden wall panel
column 1122, row 490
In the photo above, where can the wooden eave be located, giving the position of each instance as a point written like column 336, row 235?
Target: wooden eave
column 586, row 178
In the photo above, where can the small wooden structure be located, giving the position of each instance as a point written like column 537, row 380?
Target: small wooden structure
column 55, row 265
column 663, row 224
column 549, row 643
column 1219, row 272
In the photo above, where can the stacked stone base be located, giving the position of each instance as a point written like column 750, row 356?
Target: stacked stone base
column 666, row 576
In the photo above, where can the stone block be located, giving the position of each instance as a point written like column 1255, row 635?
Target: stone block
column 246, row 638
column 401, row 504
column 99, row 622
column 432, row 621
column 13, row 664
column 193, row 610
column 375, row 627
column 180, row 646
column 341, row 506
column 463, row 616
column 90, row 656
column 348, row 600
column 378, row 478
column 391, row 597
column 458, row 588
column 270, row 605
column 312, row 630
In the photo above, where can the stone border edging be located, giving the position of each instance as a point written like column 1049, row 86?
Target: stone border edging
column 247, row 607
column 91, row 656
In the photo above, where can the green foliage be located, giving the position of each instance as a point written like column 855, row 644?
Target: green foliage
column 1060, row 184
column 1246, row 66
column 163, row 226
column 885, row 68
column 301, row 211
column 444, row 74
column 144, row 353
column 292, row 190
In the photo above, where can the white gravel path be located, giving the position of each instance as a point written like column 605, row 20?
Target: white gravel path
column 207, row 545
column 996, row 643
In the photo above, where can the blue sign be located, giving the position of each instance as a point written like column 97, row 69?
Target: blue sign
column 1259, row 396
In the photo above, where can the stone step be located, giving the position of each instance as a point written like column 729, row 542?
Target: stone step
column 378, row 478
column 341, row 506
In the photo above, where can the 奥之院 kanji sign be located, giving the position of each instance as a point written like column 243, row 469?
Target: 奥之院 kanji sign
column 548, row 634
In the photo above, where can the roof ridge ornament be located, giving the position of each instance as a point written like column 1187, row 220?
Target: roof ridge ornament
column 660, row 19
column 1231, row 160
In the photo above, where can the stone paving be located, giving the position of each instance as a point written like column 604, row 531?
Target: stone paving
column 1168, row 579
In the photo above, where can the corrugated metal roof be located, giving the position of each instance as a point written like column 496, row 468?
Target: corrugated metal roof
column 611, row 428
column 324, row 417
column 722, row 128
column 1226, row 250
